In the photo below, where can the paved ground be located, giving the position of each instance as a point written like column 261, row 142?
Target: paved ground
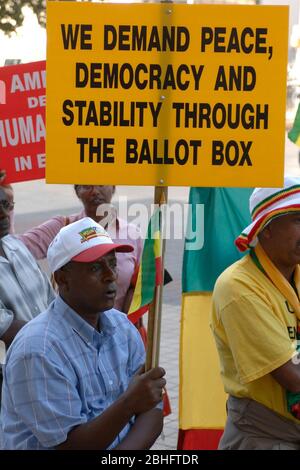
column 36, row 202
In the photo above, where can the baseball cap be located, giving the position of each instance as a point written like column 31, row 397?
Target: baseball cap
column 83, row 241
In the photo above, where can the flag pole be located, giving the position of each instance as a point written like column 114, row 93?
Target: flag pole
column 154, row 315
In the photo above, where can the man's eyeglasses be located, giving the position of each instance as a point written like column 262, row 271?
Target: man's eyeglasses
column 6, row 205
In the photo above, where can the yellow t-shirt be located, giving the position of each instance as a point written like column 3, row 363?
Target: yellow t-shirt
column 255, row 332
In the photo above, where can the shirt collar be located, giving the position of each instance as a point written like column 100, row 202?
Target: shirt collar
column 11, row 241
column 82, row 327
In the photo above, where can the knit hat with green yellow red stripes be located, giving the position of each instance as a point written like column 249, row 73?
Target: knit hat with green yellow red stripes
column 267, row 203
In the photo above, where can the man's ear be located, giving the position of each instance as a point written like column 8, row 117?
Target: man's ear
column 76, row 189
column 61, row 278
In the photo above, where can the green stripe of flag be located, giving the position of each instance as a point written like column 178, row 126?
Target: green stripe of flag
column 226, row 212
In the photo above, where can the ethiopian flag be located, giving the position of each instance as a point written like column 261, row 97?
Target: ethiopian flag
column 294, row 134
column 201, row 396
column 150, row 269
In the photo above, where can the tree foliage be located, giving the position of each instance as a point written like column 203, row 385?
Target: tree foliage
column 11, row 16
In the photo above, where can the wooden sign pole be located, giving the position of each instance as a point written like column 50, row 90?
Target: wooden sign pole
column 154, row 315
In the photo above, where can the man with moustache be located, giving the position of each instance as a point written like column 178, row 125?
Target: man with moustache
column 79, row 364
column 24, row 290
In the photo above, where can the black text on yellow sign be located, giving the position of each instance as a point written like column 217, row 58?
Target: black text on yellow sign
column 137, row 95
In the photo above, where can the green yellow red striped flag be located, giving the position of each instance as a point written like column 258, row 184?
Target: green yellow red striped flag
column 202, row 410
column 294, row 134
column 150, row 270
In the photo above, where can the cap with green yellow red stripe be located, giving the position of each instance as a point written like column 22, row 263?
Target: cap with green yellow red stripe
column 267, row 203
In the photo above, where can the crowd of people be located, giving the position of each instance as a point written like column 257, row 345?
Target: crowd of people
column 74, row 376
column 105, row 381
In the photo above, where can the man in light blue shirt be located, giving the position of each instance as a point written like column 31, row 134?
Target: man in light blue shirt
column 73, row 378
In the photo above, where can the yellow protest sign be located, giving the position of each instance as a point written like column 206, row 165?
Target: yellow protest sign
column 165, row 94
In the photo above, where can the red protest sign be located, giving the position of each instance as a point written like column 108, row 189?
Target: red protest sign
column 22, row 121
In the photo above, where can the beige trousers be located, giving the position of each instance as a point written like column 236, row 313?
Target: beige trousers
column 251, row 425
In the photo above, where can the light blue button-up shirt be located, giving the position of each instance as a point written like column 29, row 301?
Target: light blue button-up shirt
column 61, row 373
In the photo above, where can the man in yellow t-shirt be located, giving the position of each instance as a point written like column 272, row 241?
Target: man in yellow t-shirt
column 255, row 323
